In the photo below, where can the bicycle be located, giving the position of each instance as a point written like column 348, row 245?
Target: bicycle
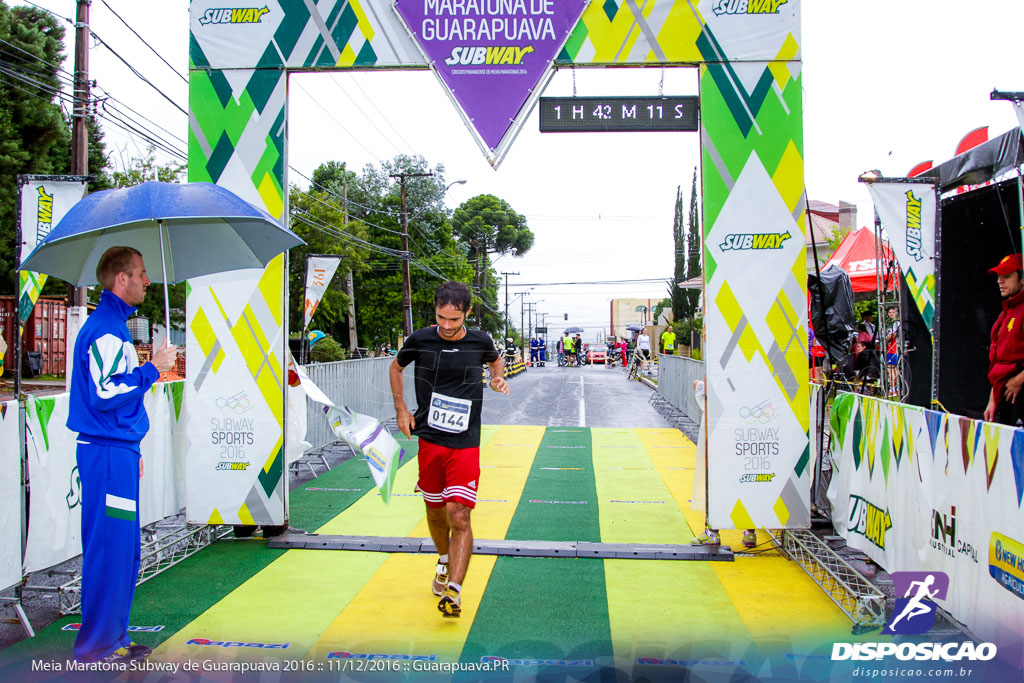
column 636, row 365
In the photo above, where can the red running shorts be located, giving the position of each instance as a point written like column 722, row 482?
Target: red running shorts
column 448, row 474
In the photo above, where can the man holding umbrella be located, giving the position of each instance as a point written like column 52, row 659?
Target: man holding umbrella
column 107, row 390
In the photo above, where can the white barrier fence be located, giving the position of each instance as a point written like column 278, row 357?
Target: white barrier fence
column 923, row 491
column 676, row 375
column 55, row 505
column 362, row 385
column 10, row 495
column 55, row 512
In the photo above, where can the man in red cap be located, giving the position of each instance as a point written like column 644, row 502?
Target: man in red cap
column 1006, row 353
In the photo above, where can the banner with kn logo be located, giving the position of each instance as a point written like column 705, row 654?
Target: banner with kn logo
column 925, row 493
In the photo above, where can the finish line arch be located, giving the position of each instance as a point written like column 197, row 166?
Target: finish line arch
column 753, row 207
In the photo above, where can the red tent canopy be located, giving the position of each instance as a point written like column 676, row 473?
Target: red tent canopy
column 857, row 256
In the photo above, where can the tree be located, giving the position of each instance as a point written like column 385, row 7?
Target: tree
column 333, row 179
column 693, row 249
column 834, row 239
column 138, row 170
column 661, row 307
column 678, row 296
column 319, row 218
column 434, row 254
column 34, row 136
column 488, row 225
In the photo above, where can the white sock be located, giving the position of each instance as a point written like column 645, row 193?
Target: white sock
column 457, row 587
column 443, row 559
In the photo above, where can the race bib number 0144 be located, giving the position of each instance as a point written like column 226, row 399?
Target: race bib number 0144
column 449, row 414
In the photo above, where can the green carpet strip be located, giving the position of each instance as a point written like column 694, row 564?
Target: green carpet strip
column 560, row 603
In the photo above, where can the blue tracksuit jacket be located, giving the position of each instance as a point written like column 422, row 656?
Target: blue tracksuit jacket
column 107, row 385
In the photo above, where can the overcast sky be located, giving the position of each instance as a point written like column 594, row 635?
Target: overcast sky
column 886, row 85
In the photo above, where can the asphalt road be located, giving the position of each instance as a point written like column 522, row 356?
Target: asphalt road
column 588, row 396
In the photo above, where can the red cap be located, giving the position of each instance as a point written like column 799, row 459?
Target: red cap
column 1008, row 265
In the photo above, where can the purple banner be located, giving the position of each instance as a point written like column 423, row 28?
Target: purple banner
column 490, row 53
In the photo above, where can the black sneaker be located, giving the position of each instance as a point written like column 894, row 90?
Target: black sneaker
column 450, row 605
column 122, row 655
column 139, row 651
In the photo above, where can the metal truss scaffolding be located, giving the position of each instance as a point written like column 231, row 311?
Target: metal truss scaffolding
column 852, row 593
column 164, row 545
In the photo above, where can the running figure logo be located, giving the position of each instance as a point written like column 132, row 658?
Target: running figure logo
column 914, row 613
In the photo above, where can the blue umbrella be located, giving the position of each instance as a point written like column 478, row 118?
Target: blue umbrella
column 313, row 336
column 191, row 229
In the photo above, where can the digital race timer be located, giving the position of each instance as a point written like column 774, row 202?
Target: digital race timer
column 617, row 114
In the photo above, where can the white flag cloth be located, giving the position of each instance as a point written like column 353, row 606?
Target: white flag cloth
column 907, row 211
column 363, row 433
column 319, row 272
column 368, row 436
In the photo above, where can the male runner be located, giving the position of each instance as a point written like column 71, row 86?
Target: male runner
column 449, row 396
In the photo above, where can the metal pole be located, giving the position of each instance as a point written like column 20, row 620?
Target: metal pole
column 80, row 115
column 304, row 344
column 350, row 290
column 406, row 281
column 17, row 294
column 522, row 328
column 163, row 271
column 506, row 300
column 880, row 310
column 937, row 314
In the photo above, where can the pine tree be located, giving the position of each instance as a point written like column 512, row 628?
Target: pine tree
column 693, row 246
column 679, row 301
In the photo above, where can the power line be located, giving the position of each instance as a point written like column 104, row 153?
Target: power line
column 359, row 109
column 137, row 72
column 49, row 11
column 662, row 280
column 176, row 72
column 369, row 99
column 326, row 111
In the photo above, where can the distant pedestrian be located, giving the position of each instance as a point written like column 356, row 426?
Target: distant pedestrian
column 668, row 341
column 643, row 347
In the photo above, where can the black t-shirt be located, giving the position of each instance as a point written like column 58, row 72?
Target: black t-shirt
column 449, row 385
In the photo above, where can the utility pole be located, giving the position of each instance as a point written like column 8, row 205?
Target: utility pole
column 506, row 300
column 350, row 290
column 522, row 327
column 80, row 117
column 406, row 283
column 530, row 307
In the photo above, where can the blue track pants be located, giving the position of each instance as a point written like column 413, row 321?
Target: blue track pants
column 110, row 546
